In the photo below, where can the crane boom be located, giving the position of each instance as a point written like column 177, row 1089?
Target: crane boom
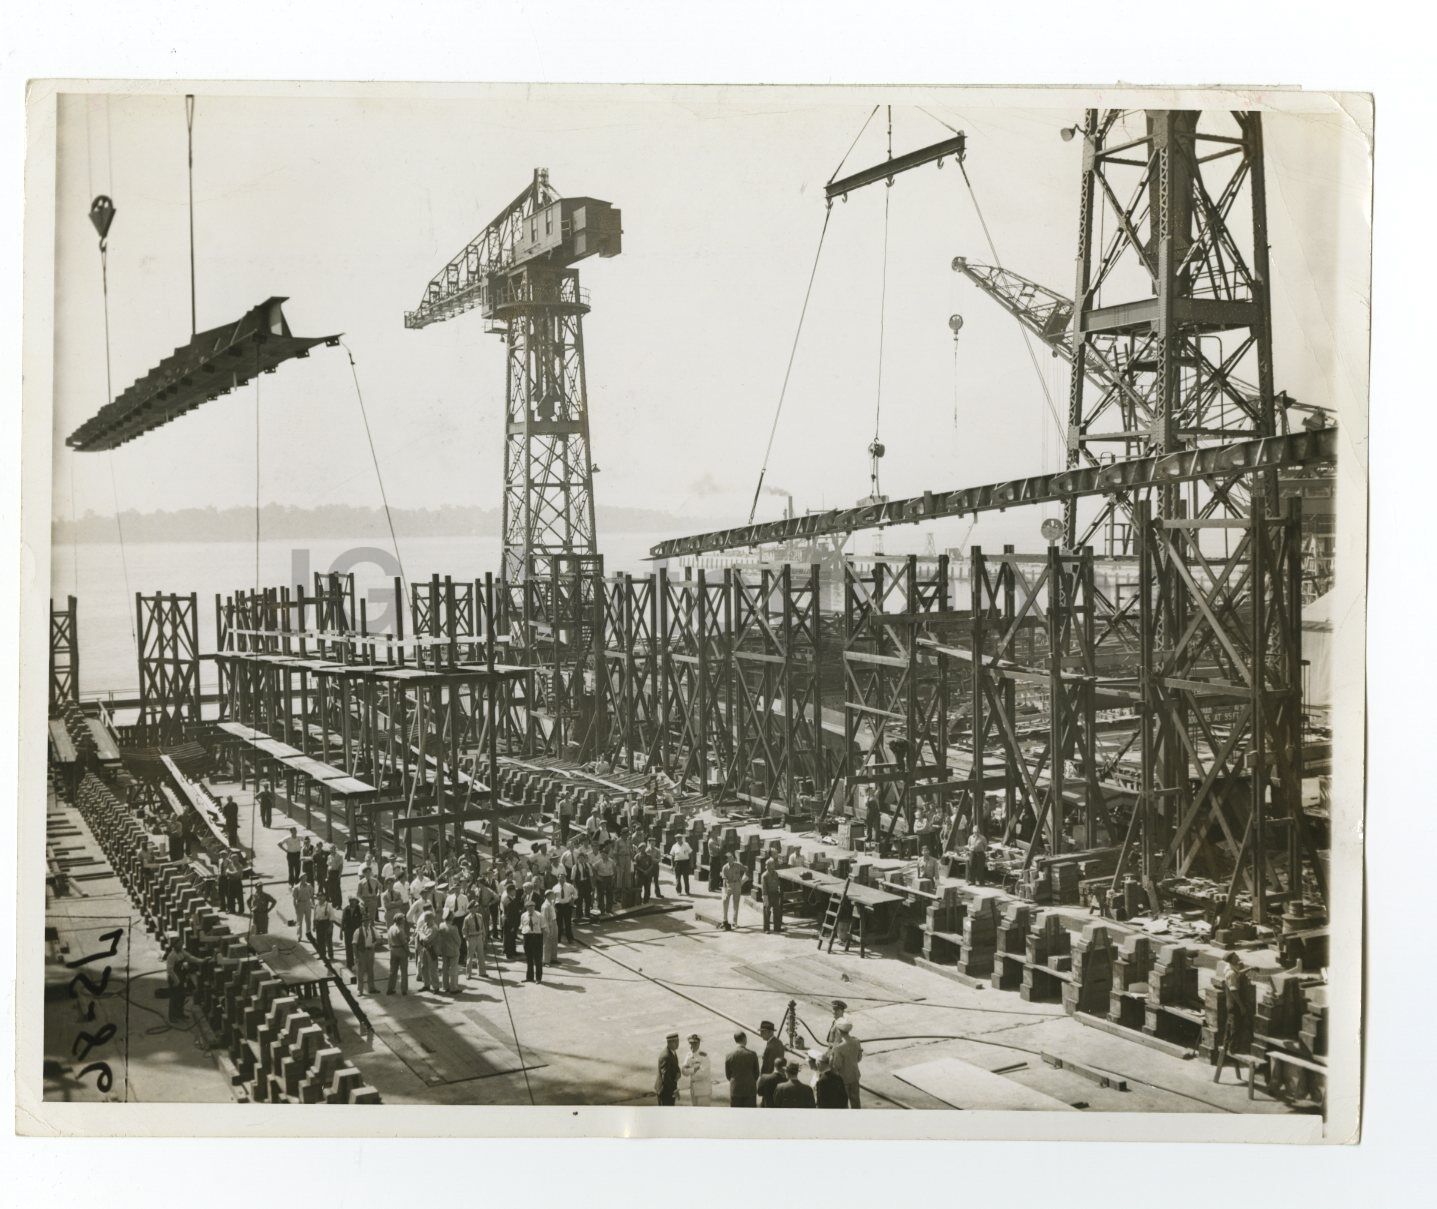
column 538, row 225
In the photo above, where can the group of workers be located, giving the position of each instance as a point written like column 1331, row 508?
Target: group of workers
column 768, row 1078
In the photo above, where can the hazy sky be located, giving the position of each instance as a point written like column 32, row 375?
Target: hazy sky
column 349, row 206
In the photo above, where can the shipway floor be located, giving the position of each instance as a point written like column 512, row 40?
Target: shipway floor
column 591, row 1032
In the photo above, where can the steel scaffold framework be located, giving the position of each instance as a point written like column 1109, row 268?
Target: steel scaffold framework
column 167, row 630
column 898, row 700
column 420, row 730
column 64, row 656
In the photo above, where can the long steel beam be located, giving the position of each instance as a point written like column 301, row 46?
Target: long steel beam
column 1242, row 457
column 892, row 166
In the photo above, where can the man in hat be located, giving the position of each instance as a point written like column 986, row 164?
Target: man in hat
column 666, row 1083
column 772, row 886
column 793, row 1092
column 839, row 1007
column 845, row 1055
column 265, row 801
column 773, row 1051
column 740, row 1068
column 698, row 1073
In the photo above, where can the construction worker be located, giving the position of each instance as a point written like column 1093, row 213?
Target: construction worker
column 370, row 890
column 325, row 918
column 733, row 878
column 666, row 1082
column 476, row 938
column 978, row 857
column 265, row 801
column 532, row 925
column 398, row 940
column 1235, row 1034
column 771, row 887
column 446, row 948
column 682, row 856
column 230, row 810
column 365, row 943
column 645, row 871
column 301, row 896
column 261, row 903
column 292, row 847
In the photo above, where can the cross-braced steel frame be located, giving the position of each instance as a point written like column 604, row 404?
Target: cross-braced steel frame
column 64, row 656
column 168, row 641
column 897, row 698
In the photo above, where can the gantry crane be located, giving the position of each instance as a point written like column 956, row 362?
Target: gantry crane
column 519, row 272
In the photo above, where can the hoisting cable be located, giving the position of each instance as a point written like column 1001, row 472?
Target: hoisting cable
column 190, row 140
column 802, row 314
column 1027, row 339
column 374, row 457
column 788, row 372
column 876, row 448
column 102, row 217
column 256, row 468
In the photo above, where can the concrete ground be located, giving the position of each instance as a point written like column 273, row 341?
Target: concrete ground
column 591, row 1032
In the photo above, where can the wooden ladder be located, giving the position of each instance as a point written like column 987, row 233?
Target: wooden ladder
column 828, row 929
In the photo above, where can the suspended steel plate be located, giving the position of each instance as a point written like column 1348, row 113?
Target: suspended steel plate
column 212, row 364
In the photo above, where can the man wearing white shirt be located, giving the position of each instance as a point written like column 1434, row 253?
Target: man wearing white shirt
column 531, row 923
column 566, row 894
column 682, row 856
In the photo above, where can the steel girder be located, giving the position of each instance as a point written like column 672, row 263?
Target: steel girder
column 1223, row 464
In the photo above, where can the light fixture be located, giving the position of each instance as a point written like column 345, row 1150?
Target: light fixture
column 1067, row 133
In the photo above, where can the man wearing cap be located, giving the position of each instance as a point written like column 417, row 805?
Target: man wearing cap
column 666, row 1082
column 793, row 1092
column 839, row 1007
column 773, row 1051
column 740, row 1068
column 845, row 1055
column 698, row 1073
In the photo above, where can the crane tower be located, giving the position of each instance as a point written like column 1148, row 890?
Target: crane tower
column 519, row 273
